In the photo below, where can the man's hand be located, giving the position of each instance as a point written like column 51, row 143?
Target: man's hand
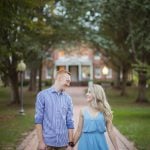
column 42, row 146
column 69, row 148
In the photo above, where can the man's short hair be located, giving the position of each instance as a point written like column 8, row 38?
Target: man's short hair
column 62, row 71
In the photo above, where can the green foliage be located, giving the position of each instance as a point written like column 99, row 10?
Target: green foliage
column 14, row 127
column 25, row 82
column 135, row 78
column 141, row 67
column 48, row 82
column 18, row 31
column 130, row 118
column 28, row 28
column 128, row 22
column 101, row 82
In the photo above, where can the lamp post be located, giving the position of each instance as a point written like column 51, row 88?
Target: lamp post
column 21, row 67
column 105, row 73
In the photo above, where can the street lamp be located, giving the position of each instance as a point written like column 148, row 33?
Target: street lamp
column 105, row 73
column 21, row 67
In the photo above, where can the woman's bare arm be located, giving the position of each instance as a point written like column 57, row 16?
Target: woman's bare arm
column 112, row 134
column 79, row 128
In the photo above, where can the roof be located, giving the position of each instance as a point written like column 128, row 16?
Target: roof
column 74, row 60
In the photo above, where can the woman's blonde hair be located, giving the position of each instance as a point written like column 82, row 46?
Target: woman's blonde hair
column 100, row 101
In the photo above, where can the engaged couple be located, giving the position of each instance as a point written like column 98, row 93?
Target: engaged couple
column 54, row 118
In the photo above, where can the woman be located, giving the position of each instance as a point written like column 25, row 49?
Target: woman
column 93, row 121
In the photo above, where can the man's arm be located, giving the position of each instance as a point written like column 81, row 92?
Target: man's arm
column 70, row 136
column 39, row 113
column 70, row 132
column 42, row 145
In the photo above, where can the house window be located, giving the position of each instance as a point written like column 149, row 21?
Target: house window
column 97, row 55
column 97, row 73
column 85, row 72
column 109, row 73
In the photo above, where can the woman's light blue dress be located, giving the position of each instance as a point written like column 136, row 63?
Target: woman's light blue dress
column 92, row 137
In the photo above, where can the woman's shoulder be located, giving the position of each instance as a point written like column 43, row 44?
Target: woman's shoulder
column 83, row 110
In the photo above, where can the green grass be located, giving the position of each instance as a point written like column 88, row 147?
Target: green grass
column 13, row 126
column 133, row 120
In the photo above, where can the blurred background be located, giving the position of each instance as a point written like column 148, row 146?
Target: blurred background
column 99, row 41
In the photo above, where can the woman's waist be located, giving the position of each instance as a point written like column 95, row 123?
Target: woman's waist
column 93, row 131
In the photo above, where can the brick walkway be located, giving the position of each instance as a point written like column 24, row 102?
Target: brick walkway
column 77, row 93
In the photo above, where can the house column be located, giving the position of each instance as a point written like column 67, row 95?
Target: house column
column 55, row 71
column 80, row 72
column 91, row 72
column 67, row 68
column 91, row 76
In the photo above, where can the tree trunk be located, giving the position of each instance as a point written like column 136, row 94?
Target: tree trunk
column 117, row 83
column 33, row 81
column 15, row 98
column 40, row 76
column 124, row 82
column 142, row 88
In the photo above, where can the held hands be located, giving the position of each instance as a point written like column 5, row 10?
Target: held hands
column 70, row 146
column 42, row 146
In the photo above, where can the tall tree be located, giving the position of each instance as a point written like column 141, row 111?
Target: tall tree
column 139, row 40
column 127, row 24
column 16, row 32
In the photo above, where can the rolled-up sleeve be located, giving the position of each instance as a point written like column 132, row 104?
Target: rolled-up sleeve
column 39, row 109
column 69, row 120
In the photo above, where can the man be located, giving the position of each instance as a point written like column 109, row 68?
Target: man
column 53, row 116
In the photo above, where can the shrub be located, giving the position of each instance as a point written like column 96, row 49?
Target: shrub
column 48, row 82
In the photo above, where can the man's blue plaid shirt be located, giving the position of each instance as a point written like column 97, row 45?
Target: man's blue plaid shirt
column 54, row 111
